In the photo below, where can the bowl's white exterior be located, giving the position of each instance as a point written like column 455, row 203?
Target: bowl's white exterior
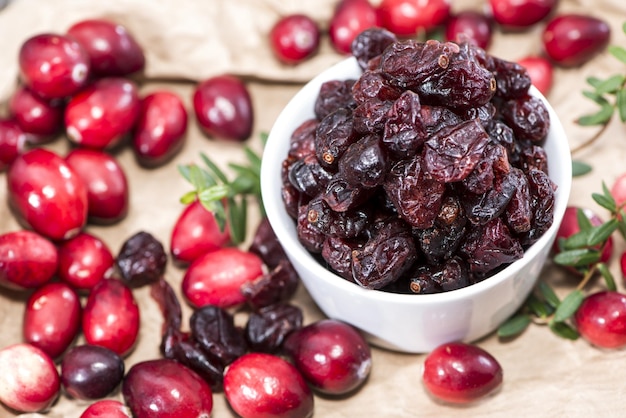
column 408, row 323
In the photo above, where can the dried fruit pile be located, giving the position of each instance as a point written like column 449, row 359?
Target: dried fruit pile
column 408, row 181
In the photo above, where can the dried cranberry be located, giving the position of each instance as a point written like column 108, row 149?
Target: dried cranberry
column 141, row 260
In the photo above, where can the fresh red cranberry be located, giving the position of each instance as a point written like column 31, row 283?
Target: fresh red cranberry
column 53, row 66
column 107, row 185
column 601, row 319
column 29, row 381
column 12, row 142
column 91, row 372
column 27, row 260
column 571, row 40
column 160, row 130
column 472, row 25
column 540, row 71
column 112, row 50
column 350, row 18
column 408, row 17
column 195, row 233
column 333, row 357
column 263, row 385
column 100, row 115
column 569, row 226
column 39, row 117
column 460, row 373
column 111, row 317
column 52, row 318
column 84, row 261
column 108, row 408
column 295, row 38
column 216, row 277
column 47, row 194
column 622, row 263
column 516, row 14
column 165, row 388
column 223, row 108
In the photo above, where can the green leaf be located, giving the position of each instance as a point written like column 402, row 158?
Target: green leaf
column 564, row 330
column 620, row 103
column 254, row 159
column 264, row 136
column 514, row 326
column 599, row 118
column 568, row 306
column 618, row 52
column 548, row 294
column 608, row 277
column 607, row 202
column 584, row 223
column 184, row 171
column 577, row 257
column 622, row 223
column 217, row 208
column 579, row 168
column 214, row 193
column 199, row 178
column 538, row 307
column 602, row 232
column 237, row 220
column 595, row 97
column 624, row 27
column 593, row 82
column 188, row 197
column 610, row 85
column 214, row 168
column 576, row 241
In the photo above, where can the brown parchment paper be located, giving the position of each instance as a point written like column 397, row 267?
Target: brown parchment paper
column 186, row 41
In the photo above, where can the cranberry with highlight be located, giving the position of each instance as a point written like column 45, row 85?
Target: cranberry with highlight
column 12, row 142
column 516, row 14
column 165, row 388
column 29, row 381
column 601, row 319
column 540, row 71
column 106, row 181
column 27, row 260
column 460, row 373
column 99, row 115
column 160, row 130
column 108, row 408
column 53, row 66
column 263, row 385
column 39, row 117
column 84, row 261
column 91, row 372
column 47, row 194
column 408, row 17
column 295, row 38
column 569, row 226
column 333, row 357
column 112, row 49
column 351, row 17
column 471, row 25
column 223, row 108
column 571, row 40
column 111, row 317
column 52, row 318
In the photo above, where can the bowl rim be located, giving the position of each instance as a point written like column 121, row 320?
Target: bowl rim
column 275, row 210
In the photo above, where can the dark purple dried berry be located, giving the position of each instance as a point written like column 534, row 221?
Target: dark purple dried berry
column 308, row 176
column 512, row 79
column 214, row 330
column 372, row 85
column 518, row 213
column 279, row 285
column 533, row 157
column 267, row 328
column 308, row 234
column 141, row 260
column 341, row 196
column 265, row 244
column 370, row 44
column 490, row 246
column 542, row 192
column 337, row 252
column 370, row 117
column 364, row 163
column 404, row 131
column 302, row 141
column 481, row 209
column 333, row 137
column 453, row 152
column 414, row 193
column 451, row 275
column 528, row 117
column 333, row 95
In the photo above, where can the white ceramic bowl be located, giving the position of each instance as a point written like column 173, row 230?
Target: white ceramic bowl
column 402, row 322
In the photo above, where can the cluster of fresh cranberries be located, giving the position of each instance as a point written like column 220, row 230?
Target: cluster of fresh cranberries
column 568, row 39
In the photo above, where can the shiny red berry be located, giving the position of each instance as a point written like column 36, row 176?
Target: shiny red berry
column 601, row 319
column 540, row 71
column 408, row 17
column 28, row 260
column 471, row 25
column 295, row 38
column 36, row 116
column 350, row 18
column 516, row 14
column 12, row 142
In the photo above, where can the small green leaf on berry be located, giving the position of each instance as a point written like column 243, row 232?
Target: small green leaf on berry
column 568, row 306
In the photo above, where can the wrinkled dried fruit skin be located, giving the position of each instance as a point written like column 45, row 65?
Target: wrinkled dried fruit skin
column 528, row 117
column 267, row 328
column 450, row 275
column 337, row 253
column 364, row 163
column 302, row 141
column 542, row 194
column 277, row 286
column 141, row 260
column 369, row 44
column 28, row 260
column 215, row 331
column 512, row 79
column 265, row 244
column 308, row 176
column 333, row 136
column 52, row 318
column 165, row 388
column 374, row 85
column 333, row 95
